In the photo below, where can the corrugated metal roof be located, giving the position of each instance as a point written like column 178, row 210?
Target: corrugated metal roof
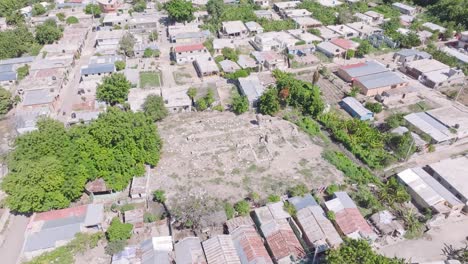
column 332, row 236
column 98, row 69
column 35, row 97
column 47, row 238
column 8, row 76
column 413, row 178
column 6, row 68
column 356, row 106
column 362, row 69
column 18, row 60
column 430, row 126
column 189, row 251
column 345, row 200
column 249, row 246
column 239, row 221
column 380, row 80
column 351, row 221
column 302, row 202
column 284, row 243
column 309, row 225
column 277, row 210
column 455, row 172
column 220, row 250
column 251, row 87
column 94, row 214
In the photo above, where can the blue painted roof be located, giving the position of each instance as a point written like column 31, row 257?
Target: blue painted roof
column 302, row 202
column 98, row 68
column 7, row 76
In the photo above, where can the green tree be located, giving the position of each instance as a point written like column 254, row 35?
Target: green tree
column 127, row 44
column 393, row 192
column 298, row 190
column 148, row 53
column 395, row 120
column 450, row 11
column 331, row 189
column 363, row 49
column 201, row 104
column 22, row 71
column 269, row 102
column 331, row 215
column 139, row 5
column 118, row 230
column 72, row 20
column 38, row 10
column 180, row 10
column 159, row 196
column 60, row 16
column 230, row 54
column 154, row 107
column 272, row 198
column 114, row 89
column 115, row 247
column 242, row 207
column 240, row 104
column 120, row 65
column 374, row 107
column 15, row 42
column 192, row 93
column 215, row 8
column 290, row 209
column 93, row 9
column 315, row 77
column 229, row 210
column 153, row 36
column 48, row 32
column 355, row 251
column 5, row 101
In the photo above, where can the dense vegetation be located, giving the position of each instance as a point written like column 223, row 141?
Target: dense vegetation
column 355, row 251
column 180, row 10
column 16, row 42
column 113, row 89
column 50, row 167
column 5, row 101
column 154, row 107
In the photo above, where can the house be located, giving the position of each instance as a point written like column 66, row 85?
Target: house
column 138, row 187
column 281, row 240
column 371, row 85
column 153, row 250
column 220, row 250
column 453, row 175
column 356, row 109
column 407, row 55
column 39, row 98
column 252, row 88
column 246, row 62
column 281, row 7
column 427, row 192
column 302, row 50
column 345, row 44
column 305, row 36
column 328, row 34
column 220, row 44
column 108, row 41
column 317, row 230
column 228, row 66
column 434, row 128
column 266, row 42
column 434, row 27
column 176, row 100
column 233, row 29
column 249, row 245
column 454, row 117
column 116, row 19
column 403, row 95
column 292, row 13
column 270, row 60
column 306, row 22
column 205, row 65
column 48, row 230
column 363, row 18
column 8, row 75
column 267, row 14
column 254, row 28
column 140, row 23
column 236, row 222
column 352, row 71
column 387, row 224
column 330, row 49
column 97, row 69
column 108, row 6
column 187, row 34
column 189, row 250
column 348, row 218
column 433, row 73
column 377, row 18
column 364, row 30
column 405, row 9
column 97, row 187
column 344, row 31
column 330, row 3
column 418, row 67
column 26, row 120
column 462, row 57
column 188, row 53
column 140, row 48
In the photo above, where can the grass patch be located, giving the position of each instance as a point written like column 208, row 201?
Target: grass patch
column 150, row 79
column 179, row 77
column 418, row 107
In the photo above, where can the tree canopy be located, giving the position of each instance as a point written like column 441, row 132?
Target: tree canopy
column 50, row 167
column 118, row 230
column 269, row 103
column 92, row 9
column 15, row 42
column 240, row 104
column 38, row 10
column 48, row 32
column 355, row 251
column 114, row 89
column 154, row 107
column 5, row 101
column 451, row 11
column 180, row 10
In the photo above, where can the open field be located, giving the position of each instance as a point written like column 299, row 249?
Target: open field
column 227, row 156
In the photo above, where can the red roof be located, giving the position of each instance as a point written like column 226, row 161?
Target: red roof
column 350, row 220
column 251, row 244
column 343, row 43
column 283, row 243
column 186, row 48
column 59, row 214
column 355, row 65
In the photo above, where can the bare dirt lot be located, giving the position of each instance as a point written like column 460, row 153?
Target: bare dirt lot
column 227, row 156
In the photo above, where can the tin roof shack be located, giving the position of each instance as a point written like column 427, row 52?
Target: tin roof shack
column 220, row 250
column 8, row 75
column 407, row 55
column 39, row 98
column 433, row 73
column 317, row 230
column 453, row 175
column 189, row 251
column 352, row 71
column 454, row 117
column 205, row 66
column 233, row 29
column 387, row 224
column 134, row 216
column 26, row 120
column 427, row 192
column 188, row 53
column 151, row 251
column 405, row 9
column 252, row 88
column 462, row 57
column 374, row 84
column 348, row 218
column 48, row 230
column 249, row 245
column 234, row 223
column 270, row 60
column 282, row 242
column 356, row 109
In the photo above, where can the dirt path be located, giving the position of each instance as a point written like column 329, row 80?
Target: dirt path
column 10, row 250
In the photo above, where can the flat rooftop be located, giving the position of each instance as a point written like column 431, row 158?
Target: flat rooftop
column 455, row 172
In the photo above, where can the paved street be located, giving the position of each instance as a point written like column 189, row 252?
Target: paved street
column 10, row 250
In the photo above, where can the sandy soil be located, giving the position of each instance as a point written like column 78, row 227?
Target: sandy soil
column 227, row 156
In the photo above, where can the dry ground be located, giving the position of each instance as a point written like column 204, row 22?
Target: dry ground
column 226, row 156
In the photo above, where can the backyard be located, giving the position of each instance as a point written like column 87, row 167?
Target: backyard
column 150, row 80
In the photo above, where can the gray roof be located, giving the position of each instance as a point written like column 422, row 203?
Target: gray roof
column 356, row 106
column 47, row 238
column 345, row 200
column 302, row 202
column 189, row 250
column 429, row 125
column 94, row 214
column 8, row 76
column 6, row 68
column 17, row 60
column 380, row 80
column 97, row 69
column 413, row 52
column 251, row 87
column 229, row 66
column 189, row 35
column 35, row 97
column 246, row 62
column 369, row 67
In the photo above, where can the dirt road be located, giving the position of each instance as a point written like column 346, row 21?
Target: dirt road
column 10, row 250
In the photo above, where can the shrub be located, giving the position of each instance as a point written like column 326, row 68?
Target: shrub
column 115, row 247
column 149, row 217
column 298, row 190
column 374, row 107
column 242, row 207
column 229, row 210
column 240, row 104
column 331, row 189
column 331, row 215
column 120, row 65
column 118, row 230
column 272, row 198
column 72, row 20
column 288, row 207
column 159, row 196
column 126, row 207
